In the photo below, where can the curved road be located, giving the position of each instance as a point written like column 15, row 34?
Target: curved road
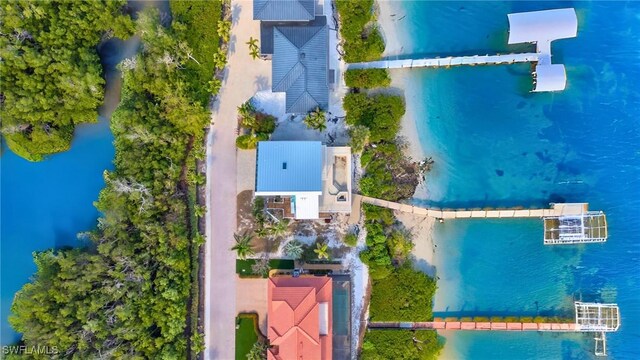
column 243, row 78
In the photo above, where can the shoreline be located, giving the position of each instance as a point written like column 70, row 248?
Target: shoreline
column 399, row 42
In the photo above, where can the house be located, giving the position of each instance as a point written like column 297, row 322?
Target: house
column 304, row 179
column 294, row 34
column 299, row 318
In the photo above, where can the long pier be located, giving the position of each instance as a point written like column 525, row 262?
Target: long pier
column 478, row 326
column 448, row 61
column 571, row 209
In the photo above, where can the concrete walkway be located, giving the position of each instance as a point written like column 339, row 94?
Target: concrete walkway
column 244, row 76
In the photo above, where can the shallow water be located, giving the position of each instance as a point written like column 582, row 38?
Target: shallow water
column 496, row 144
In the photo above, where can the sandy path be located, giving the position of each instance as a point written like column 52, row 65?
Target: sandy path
column 244, row 76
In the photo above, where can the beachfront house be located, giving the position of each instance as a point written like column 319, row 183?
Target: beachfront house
column 303, row 179
column 295, row 36
column 299, row 317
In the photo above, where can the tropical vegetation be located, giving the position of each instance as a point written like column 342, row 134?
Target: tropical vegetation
column 133, row 292
column 359, row 138
column 243, row 247
column 50, row 69
column 316, row 119
column 257, row 126
column 361, row 38
column 293, row 249
column 380, row 113
column 400, row 345
column 367, row 78
column 402, row 296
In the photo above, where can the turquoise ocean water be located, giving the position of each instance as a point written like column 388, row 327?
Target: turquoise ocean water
column 496, row 144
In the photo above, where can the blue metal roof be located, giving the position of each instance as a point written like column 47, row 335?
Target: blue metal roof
column 300, row 66
column 289, row 166
column 284, row 10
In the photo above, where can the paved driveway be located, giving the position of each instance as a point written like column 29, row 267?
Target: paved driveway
column 251, row 296
column 244, row 76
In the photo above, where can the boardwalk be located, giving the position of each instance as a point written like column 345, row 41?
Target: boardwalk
column 555, row 210
column 478, row 326
column 448, row 61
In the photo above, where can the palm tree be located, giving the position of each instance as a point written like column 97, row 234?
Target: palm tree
column 280, row 228
column 254, row 50
column 322, row 250
column 255, row 53
column 262, row 232
column 243, row 245
column 293, row 249
column 253, row 43
column 316, row 119
column 199, row 210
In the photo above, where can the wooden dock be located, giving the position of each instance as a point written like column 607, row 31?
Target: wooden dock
column 555, row 210
column 447, row 61
column 477, row 326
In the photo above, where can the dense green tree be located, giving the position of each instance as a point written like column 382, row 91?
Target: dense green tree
column 128, row 294
column 405, row 295
column 50, row 69
column 359, row 138
column 203, row 36
column 367, row 78
column 380, row 113
column 362, row 40
column 385, row 344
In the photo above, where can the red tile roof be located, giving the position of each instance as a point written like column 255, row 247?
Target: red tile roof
column 293, row 318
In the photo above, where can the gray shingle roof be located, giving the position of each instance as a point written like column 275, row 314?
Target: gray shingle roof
column 300, row 66
column 283, row 10
column 289, row 166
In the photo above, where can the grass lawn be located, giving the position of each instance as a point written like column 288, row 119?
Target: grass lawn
column 246, row 334
column 243, row 267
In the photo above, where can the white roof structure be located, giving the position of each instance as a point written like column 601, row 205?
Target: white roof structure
column 545, row 25
column 541, row 28
column 550, row 77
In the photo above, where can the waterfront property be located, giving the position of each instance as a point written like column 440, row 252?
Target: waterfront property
column 303, row 179
column 300, row 318
column 295, row 35
column 538, row 27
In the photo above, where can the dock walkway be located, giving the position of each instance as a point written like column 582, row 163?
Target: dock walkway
column 555, row 210
column 478, row 326
column 448, row 61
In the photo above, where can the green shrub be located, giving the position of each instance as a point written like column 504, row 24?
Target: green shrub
column 200, row 31
column 395, row 344
column 362, row 39
column 389, row 174
column 264, row 123
column 351, row 239
column 380, row 113
column 359, row 138
column 367, row 78
column 405, row 295
column 250, row 141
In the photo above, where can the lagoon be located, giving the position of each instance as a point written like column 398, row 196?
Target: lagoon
column 46, row 204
